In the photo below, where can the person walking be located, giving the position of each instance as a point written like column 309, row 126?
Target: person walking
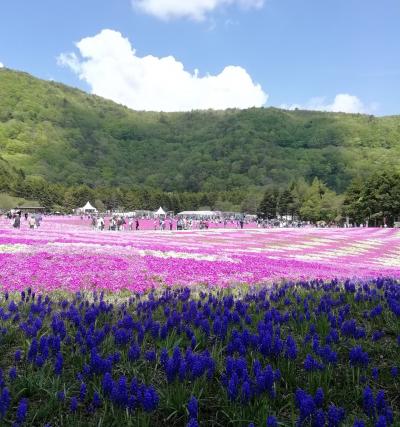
column 137, row 225
column 17, row 221
column 38, row 218
column 32, row 222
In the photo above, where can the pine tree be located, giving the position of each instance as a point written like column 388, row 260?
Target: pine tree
column 269, row 204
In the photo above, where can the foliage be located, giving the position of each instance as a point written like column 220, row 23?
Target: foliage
column 67, row 136
column 269, row 206
column 320, row 203
column 315, row 202
column 375, row 200
column 62, row 147
column 59, row 197
column 313, row 353
column 8, row 202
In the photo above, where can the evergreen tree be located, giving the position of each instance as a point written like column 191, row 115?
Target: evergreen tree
column 286, row 203
column 269, row 204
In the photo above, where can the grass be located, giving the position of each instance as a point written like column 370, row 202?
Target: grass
column 8, row 202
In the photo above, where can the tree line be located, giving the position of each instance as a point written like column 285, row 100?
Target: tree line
column 57, row 197
column 374, row 200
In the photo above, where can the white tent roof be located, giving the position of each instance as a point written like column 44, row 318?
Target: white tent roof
column 160, row 211
column 88, row 207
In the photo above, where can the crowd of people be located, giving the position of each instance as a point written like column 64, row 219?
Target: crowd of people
column 33, row 220
column 122, row 223
column 115, row 223
column 281, row 223
column 192, row 223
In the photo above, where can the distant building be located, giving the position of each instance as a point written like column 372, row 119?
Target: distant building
column 36, row 209
column 199, row 214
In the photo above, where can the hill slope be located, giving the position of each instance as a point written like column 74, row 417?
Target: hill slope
column 68, row 136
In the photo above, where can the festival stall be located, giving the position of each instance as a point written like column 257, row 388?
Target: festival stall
column 87, row 209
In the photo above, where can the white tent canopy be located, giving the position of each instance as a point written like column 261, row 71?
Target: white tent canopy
column 160, row 211
column 88, row 208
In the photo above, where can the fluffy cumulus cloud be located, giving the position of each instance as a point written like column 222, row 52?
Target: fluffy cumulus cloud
column 111, row 67
column 343, row 102
column 1, row 65
column 193, row 9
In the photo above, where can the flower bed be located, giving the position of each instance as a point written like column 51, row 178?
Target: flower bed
column 65, row 253
column 306, row 354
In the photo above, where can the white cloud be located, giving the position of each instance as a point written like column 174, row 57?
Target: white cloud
column 193, row 9
column 343, row 102
column 111, row 67
column 1, row 65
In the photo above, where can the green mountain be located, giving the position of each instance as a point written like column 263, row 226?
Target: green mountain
column 68, row 136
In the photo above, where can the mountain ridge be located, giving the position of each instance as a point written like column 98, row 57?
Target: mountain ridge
column 68, row 136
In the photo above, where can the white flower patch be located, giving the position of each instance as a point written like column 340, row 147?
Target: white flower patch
column 14, row 248
column 309, row 257
column 83, row 245
column 375, row 242
column 322, row 241
column 313, row 243
column 260, row 250
column 340, row 253
column 352, row 250
column 388, row 261
column 290, row 247
column 183, row 255
column 368, row 246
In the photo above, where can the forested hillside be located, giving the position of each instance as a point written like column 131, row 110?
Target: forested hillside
column 70, row 137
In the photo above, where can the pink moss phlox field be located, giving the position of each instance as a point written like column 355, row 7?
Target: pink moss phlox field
column 65, row 253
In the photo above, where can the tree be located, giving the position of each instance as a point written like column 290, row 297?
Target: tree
column 76, row 197
column 225, row 206
column 376, row 199
column 286, row 203
column 251, row 203
column 354, row 206
column 320, row 203
column 269, row 203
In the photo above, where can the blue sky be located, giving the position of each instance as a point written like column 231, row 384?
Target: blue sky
column 329, row 55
